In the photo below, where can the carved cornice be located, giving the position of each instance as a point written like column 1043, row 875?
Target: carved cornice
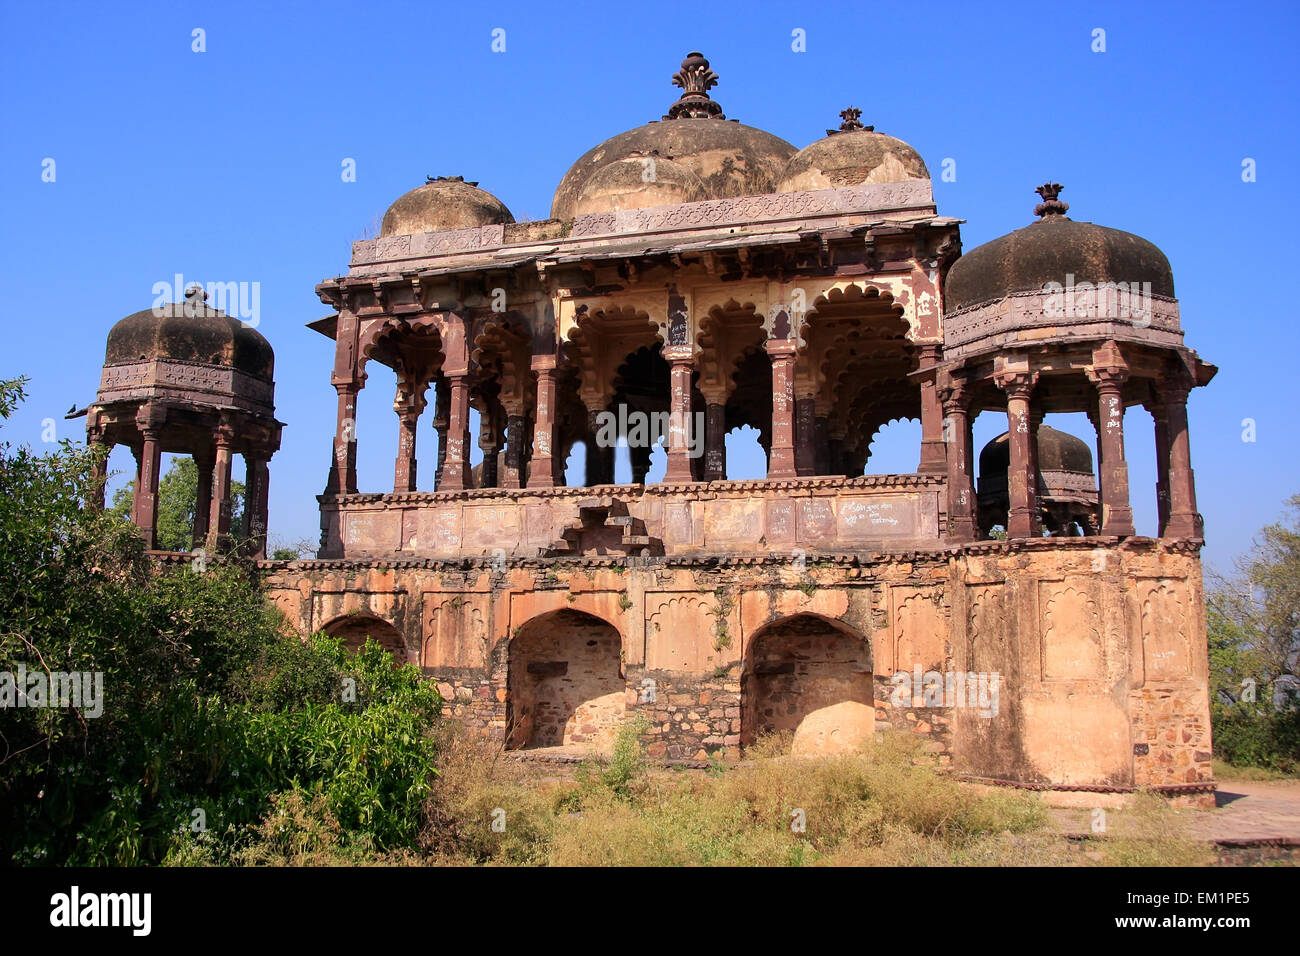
column 997, row 323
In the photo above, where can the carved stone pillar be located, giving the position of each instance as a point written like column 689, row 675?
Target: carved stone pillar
column 1022, row 486
column 781, row 459
column 600, row 457
column 639, row 456
column 99, row 473
column 1184, row 521
column 409, row 404
column 1160, row 416
column 680, row 366
column 835, row 448
column 219, row 522
column 343, row 473
column 442, row 401
column 146, row 487
column 455, row 466
column 203, row 498
column 1035, row 419
column 256, row 492
column 933, row 449
column 489, row 441
column 1116, row 513
column 955, row 397
column 514, row 464
column 822, row 446
column 805, row 436
column 715, row 437
column 541, row 472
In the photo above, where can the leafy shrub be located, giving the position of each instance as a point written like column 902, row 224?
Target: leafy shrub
column 210, row 703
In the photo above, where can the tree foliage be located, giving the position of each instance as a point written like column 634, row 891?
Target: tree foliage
column 1253, row 624
column 210, row 707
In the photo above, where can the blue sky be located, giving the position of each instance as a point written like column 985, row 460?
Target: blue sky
column 225, row 166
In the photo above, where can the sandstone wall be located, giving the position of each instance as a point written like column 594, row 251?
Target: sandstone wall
column 1097, row 648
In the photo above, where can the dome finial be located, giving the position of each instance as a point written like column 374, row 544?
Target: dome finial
column 852, row 117
column 1050, row 206
column 194, row 292
column 696, row 79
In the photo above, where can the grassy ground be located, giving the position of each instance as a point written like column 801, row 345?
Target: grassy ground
column 887, row 805
column 1224, row 771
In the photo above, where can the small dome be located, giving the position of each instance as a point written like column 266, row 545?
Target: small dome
column 441, row 204
column 638, row 182
column 190, row 331
column 729, row 158
column 852, row 155
column 1057, row 451
column 1050, row 250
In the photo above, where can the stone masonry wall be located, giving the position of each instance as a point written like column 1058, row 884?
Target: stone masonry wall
column 1098, row 650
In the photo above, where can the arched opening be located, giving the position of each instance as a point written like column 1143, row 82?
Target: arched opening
column 856, row 361
column 575, row 465
column 749, row 406
column 641, row 387
column 746, row 459
column 565, row 683
column 353, row 629
column 811, row 677
column 894, row 448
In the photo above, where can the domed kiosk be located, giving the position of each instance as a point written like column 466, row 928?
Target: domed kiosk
column 186, row 378
column 1065, row 316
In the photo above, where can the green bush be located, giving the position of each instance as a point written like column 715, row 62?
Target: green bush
column 1245, row 736
column 210, row 703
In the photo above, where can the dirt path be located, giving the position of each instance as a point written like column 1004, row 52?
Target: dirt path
column 1252, row 810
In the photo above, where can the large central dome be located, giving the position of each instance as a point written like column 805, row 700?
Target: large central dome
column 704, row 155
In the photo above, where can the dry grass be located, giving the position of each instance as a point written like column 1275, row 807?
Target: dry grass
column 887, row 805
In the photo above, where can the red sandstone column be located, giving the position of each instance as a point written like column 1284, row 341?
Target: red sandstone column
column 822, row 446
column 1021, row 487
column 961, row 491
column 146, row 487
column 409, row 404
column 455, row 467
column 1184, row 521
column 680, row 365
column 345, row 438
column 202, row 498
column 442, row 400
column 781, row 459
column 99, row 473
column 489, row 435
column 541, row 472
column 1116, row 514
column 1035, row 419
column 600, row 459
column 933, row 448
column 715, row 437
column 135, row 489
column 1160, row 416
column 639, row 456
column 805, row 436
column 514, row 470
column 256, row 478
column 219, row 523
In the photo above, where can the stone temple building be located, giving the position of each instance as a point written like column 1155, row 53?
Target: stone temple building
column 705, row 274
